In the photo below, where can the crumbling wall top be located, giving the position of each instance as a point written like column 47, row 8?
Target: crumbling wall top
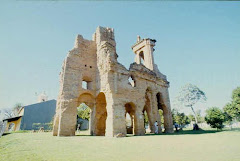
column 103, row 34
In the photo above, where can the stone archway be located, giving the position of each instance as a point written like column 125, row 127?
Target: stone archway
column 166, row 113
column 141, row 57
column 91, row 67
column 130, row 109
column 88, row 99
column 101, row 115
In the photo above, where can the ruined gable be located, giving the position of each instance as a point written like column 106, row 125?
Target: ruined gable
column 111, row 91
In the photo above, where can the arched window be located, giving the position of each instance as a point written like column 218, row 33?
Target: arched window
column 131, row 81
column 141, row 57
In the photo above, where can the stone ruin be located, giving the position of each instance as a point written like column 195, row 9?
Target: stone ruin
column 111, row 90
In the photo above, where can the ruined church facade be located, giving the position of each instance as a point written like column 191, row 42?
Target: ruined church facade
column 111, row 90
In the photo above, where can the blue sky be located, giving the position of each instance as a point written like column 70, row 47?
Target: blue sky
column 197, row 42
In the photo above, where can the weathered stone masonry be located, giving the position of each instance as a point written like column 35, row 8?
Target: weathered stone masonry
column 109, row 93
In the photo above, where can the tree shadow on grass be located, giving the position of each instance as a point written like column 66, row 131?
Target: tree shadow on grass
column 235, row 129
column 83, row 135
column 194, row 132
column 184, row 132
column 7, row 133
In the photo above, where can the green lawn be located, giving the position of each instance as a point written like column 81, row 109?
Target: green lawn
column 206, row 145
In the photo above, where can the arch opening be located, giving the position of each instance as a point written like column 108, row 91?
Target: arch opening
column 83, row 117
column 141, row 57
column 132, row 81
column 130, row 117
column 84, row 112
column 129, row 123
column 87, row 99
column 161, row 109
column 101, row 115
column 147, row 112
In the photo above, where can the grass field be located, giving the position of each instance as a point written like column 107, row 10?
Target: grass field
column 208, row 145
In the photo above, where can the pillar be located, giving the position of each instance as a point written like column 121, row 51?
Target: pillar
column 67, row 118
column 168, row 123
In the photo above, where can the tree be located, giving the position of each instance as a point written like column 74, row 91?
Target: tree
column 229, row 113
column 232, row 110
column 236, row 95
column 146, row 117
column 2, row 127
column 189, row 96
column 180, row 118
column 199, row 117
column 1, row 114
column 161, row 116
column 8, row 113
column 174, row 112
column 191, row 117
column 16, row 108
column 84, row 111
column 4, row 114
column 215, row 117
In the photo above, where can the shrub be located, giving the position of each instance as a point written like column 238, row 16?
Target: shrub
column 46, row 126
column 215, row 117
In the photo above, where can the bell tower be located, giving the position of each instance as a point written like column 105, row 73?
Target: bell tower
column 144, row 52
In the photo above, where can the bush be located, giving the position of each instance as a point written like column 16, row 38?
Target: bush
column 46, row 126
column 215, row 117
column 36, row 126
column 180, row 118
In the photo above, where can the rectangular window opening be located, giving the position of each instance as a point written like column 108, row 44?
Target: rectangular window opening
column 86, row 85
